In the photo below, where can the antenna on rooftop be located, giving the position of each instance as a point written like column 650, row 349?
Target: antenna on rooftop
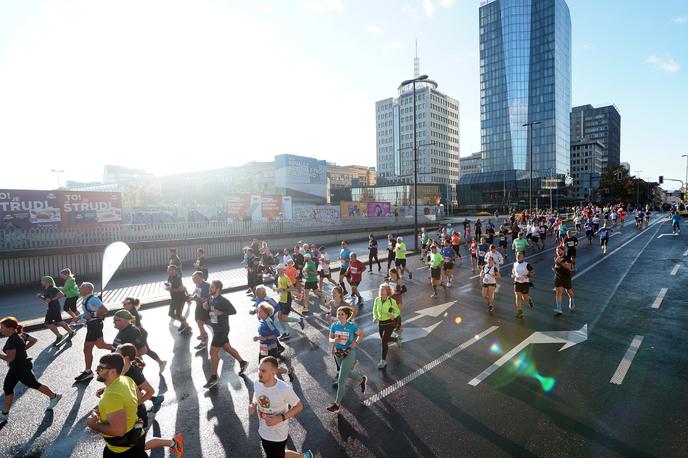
column 416, row 63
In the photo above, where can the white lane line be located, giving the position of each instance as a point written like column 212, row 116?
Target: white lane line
column 429, row 366
column 659, row 298
column 685, row 253
column 675, row 269
column 663, row 235
column 607, row 256
column 625, row 364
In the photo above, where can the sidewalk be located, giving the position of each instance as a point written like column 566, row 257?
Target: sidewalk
column 149, row 286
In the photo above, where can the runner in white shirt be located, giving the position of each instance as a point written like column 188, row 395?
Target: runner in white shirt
column 275, row 402
column 324, row 271
column 521, row 272
column 489, row 274
column 534, row 236
column 496, row 255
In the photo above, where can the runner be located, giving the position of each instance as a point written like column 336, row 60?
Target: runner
column 355, row 275
column 178, row 298
column 293, row 274
column 589, row 231
column 94, row 312
column 200, row 264
column 127, row 332
column 675, row 223
column 53, row 315
column 503, row 242
column 345, row 336
column 133, row 368
column 372, row 253
column 424, row 239
column 325, row 272
column 70, row 291
column 344, row 254
column 400, row 257
column 542, row 227
column 385, row 312
column 285, row 288
column 604, row 238
column 456, row 243
column 562, row 279
column 220, row 308
column 201, row 316
column 310, row 271
column 132, row 305
column 519, row 245
column 496, row 255
column 275, row 402
column 535, row 236
column 174, row 260
column 391, row 245
column 521, row 273
column 483, row 248
column 571, row 244
column 397, row 283
column 115, row 417
column 253, row 272
column 449, row 256
column 435, row 264
column 474, row 254
column 20, row 366
column 268, row 335
column 489, row 274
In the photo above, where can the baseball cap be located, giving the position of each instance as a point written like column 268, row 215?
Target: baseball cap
column 124, row 314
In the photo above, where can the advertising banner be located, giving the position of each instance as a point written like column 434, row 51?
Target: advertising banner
column 328, row 214
column 90, row 208
column 379, row 209
column 24, row 209
column 271, row 206
column 352, row 209
column 237, row 207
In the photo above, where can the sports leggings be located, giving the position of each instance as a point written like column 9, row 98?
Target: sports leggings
column 386, row 328
column 346, row 370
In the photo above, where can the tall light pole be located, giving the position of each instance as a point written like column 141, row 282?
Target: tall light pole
column 58, row 172
column 637, row 188
column 685, row 186
column 415, row 159
column 530, row 125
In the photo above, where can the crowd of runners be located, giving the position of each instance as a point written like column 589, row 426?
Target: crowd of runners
column 303, row 278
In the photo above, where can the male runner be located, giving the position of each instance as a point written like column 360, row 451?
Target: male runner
column 200, row 295
column 355, row 275
column 448, row 256
column 521, row 273
column 400, row 258
column 571, row 244
column 344, row 254
column 604, row 238
column 94, row 312
column 435, row 265
column 177, row 298
column 310, row 271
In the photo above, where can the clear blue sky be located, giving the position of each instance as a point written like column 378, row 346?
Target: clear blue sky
column 197, row 84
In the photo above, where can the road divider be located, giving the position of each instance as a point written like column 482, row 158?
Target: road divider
column 659, row 298
column 674, row 271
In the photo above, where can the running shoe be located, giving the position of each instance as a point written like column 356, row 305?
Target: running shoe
column 308, row 454
column 382, row 364
column 163, row 365
column 157, row 402
column 187, row 331
column 448, row 284
column 181, row 328
column 360, row 301
column 280, row 349
column 284, row 337
column 557, row 312
column 53, row 401
column 363, row 384
column 326, row 301
column 290, row 374
column 4, row 417
column 304, row 311
column 530, row 302
column 178, row 445
column 202, row 337
column 71, row 335
column 490, row 308
column 201, row 346
column 212, row 381
column 519, row 313
column 242, row 367
column 333, row 408
column 410, row 275
column 85, row 375
column 572, row 305
column 302, row 324
column 58, row 339
column 433, row 295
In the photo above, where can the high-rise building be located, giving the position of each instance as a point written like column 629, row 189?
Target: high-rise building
column 602, row 124
column 586, row 168
column 437, row 136
column 471, row 164
column 525, row 77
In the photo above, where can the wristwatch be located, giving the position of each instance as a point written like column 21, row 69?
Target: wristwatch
column 284, row 418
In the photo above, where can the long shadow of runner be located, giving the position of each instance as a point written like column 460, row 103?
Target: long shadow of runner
column 73, row 429
column 45, row 424
column 188, row 409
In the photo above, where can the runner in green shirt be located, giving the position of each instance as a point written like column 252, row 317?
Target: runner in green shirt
column 310, row 272
column 435, row 264
column 400, row 258
column 71, row 293
column 519, row 244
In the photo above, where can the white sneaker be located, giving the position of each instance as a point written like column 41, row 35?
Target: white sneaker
column 53, row 401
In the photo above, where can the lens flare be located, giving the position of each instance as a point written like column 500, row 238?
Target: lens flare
column 495, row 348
column 457, row 320
column 523, row 366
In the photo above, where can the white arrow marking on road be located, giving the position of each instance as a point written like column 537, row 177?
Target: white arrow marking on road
column 659, row 298
column 662, row 235
column 625, row 364
column 429, row 366
column 434, row 311
column 675, row 269
column 685, row 253
column 568, row 338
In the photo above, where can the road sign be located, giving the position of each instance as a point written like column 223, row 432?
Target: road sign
column 568, row 338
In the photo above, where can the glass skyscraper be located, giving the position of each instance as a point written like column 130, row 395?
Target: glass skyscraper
column 525, row 75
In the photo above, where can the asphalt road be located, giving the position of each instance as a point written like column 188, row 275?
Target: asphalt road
column 541, row 402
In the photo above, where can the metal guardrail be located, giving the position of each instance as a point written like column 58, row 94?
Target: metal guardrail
column 52, row 237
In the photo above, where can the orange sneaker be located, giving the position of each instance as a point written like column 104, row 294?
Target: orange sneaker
column 178, row 448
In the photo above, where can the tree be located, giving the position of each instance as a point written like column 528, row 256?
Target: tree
column 616, row 185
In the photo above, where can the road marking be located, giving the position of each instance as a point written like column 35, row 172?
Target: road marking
column 675, row 269
column 568, row 338
column 685, row 253
column 607, row 256
column 625, row 364
column 662, row 235
column 659, row 298
column 429, row 366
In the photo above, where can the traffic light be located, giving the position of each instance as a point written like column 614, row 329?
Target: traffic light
column 661, row 179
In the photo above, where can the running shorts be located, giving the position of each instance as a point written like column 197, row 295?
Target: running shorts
column 400, row 262
column 311, row 285
column 562, row 283
column 201, row 314
column 274, row 449
column 603, row 242
column 285, row 307
column 21, row 373
column 448, row 266
column 354, row 283
column 94, row 330
column 571, row 252
column 219, row 340
column 54, row 314
column 489, row 285
column 535, row 238
column 435, row 273
column 521, row 287
column 70, row 304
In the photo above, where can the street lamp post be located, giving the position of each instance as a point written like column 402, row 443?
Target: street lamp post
column 415, row 160
column 530, row 125
column 637, row 188
column 58, row 172
column 685, row 186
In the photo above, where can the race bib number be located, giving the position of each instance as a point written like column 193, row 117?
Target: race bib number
column 213, row 317
column 263, row 350
column 341, row 337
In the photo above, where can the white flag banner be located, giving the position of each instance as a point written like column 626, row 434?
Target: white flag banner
column 112, row 258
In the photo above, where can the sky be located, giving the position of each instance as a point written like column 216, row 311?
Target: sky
column 175, row 86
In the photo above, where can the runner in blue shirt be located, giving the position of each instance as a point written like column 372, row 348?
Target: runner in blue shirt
column 675, row 220
column 345, row 337
column 344, row 254
column 589, row 231
column 604, row 237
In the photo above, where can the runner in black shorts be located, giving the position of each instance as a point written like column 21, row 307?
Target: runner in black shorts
column 571, row 244
column 177, row 298
column 200, row 295
column 94, row 312
column 53, row 315
column 562, row 279
column 20, row 366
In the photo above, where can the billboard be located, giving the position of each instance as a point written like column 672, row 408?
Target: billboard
column 271, row 206
column 90, row 208
column 237, row 207
column 302, row 178
column 379, row 209
column 24, row 209
column 352, row 209
column 327, row 214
